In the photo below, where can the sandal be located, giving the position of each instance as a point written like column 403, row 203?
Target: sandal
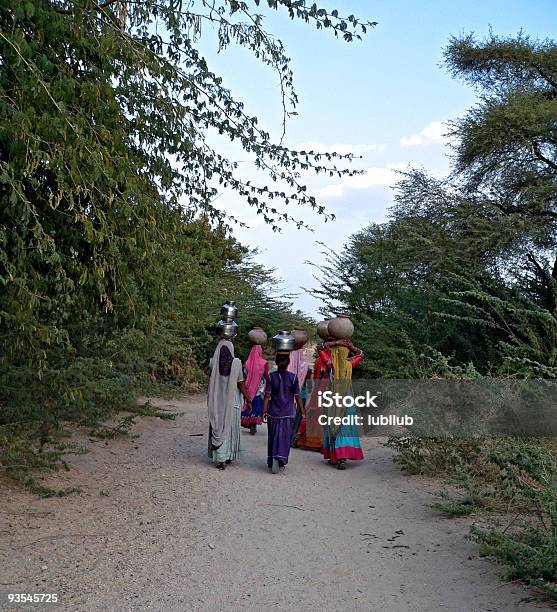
column 220, row 466
column 341, row 465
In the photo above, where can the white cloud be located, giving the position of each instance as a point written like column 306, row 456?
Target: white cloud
column 343, row 149
column 432, row 133
column 377, row 176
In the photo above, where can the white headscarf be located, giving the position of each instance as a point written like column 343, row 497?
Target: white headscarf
column 221, row 395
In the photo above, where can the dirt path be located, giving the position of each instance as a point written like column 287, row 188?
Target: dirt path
column 158, row 528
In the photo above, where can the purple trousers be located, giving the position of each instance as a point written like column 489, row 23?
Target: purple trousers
column 279, row 432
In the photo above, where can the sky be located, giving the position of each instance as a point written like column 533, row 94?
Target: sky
column 385, row 98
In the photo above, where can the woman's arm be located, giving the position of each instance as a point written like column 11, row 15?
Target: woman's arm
column 347, row 344
column 325, row 356
column 244, row 392
column 355, row 350
column 266, row 404
column 332, row 343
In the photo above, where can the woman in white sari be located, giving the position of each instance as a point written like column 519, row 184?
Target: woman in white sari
column 226, row 385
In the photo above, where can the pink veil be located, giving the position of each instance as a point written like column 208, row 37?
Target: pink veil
column 255, row 364
column 298, row 365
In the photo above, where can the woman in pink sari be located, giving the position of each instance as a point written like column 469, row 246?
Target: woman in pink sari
column 300, row 368
column 257, row 371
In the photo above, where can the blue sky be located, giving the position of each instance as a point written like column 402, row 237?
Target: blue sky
column 385, row 97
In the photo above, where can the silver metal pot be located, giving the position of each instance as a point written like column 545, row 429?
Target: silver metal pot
column 228, row 311
column 227, row 329
column 283, row 341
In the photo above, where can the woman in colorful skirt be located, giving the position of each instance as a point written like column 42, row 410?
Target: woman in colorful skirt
column 341, row 443
column 281, row 392
column 309, row 435
column 257, row 370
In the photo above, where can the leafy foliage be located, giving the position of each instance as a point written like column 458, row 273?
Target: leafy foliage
column 466, row 267
column 105, row 112
column 114, row 257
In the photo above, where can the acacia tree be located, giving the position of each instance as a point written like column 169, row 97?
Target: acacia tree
column 467, row 266
column 105, row 109
column 506, row 149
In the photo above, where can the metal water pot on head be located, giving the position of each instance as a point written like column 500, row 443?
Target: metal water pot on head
column 227, row 329
column 228, row 311
column 283, row 341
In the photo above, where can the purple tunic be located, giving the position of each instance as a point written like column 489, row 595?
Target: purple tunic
column 282, row 387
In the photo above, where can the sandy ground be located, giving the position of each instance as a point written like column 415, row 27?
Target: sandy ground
column 157, row 527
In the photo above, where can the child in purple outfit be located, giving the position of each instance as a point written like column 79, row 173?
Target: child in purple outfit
column 282, row 390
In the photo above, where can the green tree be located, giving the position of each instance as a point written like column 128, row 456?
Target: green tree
column 114, row 256
column 105, row 109
column 506, row 147
column 465, row 269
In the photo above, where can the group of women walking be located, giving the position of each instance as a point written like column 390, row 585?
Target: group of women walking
column 249, row 394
